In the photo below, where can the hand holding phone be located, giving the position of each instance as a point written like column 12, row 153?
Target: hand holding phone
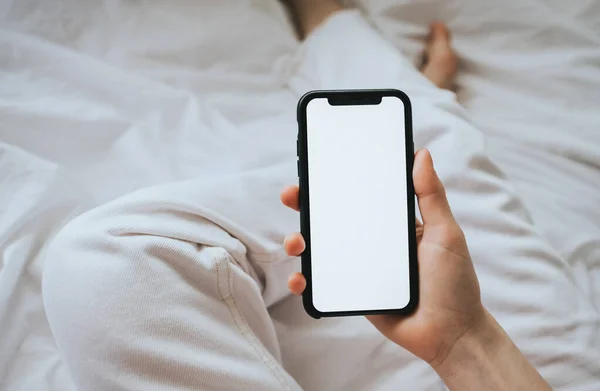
column 450, row 329
column 450, row 303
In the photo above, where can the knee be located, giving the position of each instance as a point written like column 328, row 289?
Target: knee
column 77, row 282
column 101, row 275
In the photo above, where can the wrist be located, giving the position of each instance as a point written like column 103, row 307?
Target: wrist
column 485, row 358
column 480, row 344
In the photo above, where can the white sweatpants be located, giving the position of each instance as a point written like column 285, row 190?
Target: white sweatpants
column 158, row 291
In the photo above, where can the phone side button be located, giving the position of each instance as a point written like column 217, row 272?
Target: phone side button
column 298, row 168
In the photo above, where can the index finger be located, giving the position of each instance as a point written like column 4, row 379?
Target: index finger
column 289, row 197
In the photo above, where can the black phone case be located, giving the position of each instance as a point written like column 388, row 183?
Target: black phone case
column 354, row 97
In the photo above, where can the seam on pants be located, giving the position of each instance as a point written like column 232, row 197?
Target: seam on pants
column 225, row 289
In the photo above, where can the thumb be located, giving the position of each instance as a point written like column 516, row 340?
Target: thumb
column 430, row 191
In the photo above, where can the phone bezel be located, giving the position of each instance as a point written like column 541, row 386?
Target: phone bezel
column 355, row 97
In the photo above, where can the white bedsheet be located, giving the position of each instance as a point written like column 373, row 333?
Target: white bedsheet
column 98, row 99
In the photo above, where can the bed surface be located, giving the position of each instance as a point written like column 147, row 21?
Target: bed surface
column 101, row 98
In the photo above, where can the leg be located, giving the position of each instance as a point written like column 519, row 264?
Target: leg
column 136, row 304
column 440, row 61
column 309, row 14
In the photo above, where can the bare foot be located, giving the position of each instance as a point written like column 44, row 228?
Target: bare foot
column 441, row 62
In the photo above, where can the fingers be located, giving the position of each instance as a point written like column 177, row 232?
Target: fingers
column 297, row 284
column 294, row 244
column 430, row 192
column 290, row 196
column 419, row 229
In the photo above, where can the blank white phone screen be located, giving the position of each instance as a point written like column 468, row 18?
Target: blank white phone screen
column 358, row 205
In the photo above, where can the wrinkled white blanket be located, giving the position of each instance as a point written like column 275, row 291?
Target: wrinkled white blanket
column 98, row 99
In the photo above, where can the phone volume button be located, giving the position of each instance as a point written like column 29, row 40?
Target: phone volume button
column 298, row 168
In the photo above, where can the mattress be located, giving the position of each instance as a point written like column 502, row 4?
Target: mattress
column 102, row 98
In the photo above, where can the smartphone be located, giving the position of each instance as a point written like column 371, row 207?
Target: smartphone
column 357, row 213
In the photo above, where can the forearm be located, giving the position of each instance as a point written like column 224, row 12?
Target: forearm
column 487, row 359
